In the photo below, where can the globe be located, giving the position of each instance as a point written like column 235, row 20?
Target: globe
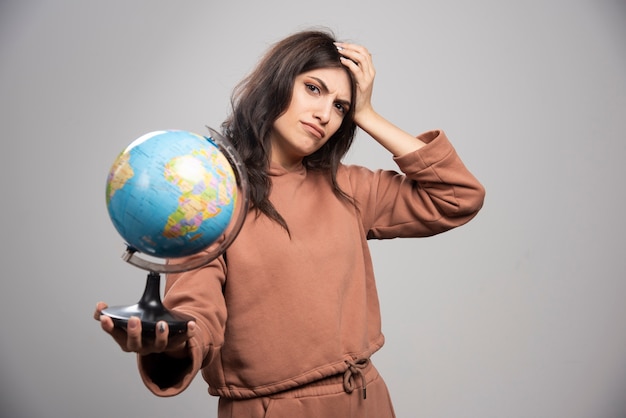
column 171, row 193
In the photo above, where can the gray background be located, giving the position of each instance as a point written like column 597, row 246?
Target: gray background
column 518, row 314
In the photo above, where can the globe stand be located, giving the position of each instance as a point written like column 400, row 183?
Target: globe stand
column 149, row 310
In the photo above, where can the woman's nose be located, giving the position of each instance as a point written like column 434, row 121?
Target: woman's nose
column 323, row 112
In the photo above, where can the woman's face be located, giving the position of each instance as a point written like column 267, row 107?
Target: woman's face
column 319, row 102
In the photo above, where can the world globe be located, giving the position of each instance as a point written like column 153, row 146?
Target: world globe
column 171, row 193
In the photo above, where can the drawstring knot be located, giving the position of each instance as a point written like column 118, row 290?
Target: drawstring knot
column 355, row 369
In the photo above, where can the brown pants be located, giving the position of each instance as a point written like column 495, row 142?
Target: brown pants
column 326, row 398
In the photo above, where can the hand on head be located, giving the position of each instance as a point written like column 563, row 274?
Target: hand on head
column 359, row 61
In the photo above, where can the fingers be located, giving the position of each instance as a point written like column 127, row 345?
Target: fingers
column 133, row 340
column 356, row 57
column 100, row 306
column 161, row 337
column 133, row 335
column 191, row 329
column 128, row 339
column 358, row 52
column 107, row 324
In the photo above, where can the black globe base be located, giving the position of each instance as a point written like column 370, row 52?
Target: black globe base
column 150, row 311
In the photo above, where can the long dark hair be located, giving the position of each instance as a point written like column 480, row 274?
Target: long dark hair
column 265, row 94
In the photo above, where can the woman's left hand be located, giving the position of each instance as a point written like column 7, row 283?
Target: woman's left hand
column 359, row 61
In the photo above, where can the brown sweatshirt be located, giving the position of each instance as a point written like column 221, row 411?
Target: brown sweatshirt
column 283, row 310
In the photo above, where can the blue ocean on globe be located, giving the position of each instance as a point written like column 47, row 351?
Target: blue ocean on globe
column 171, row 193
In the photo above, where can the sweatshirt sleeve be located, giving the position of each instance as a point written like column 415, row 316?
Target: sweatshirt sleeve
column 434, row 193
column 197, row 293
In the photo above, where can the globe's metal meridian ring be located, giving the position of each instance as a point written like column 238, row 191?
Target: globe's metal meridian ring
column 131, row 255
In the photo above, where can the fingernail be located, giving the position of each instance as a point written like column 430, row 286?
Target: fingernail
column 132, row 323
column 161, row 327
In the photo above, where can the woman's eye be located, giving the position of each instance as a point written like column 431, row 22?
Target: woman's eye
column 340, row 107
column 313, row 88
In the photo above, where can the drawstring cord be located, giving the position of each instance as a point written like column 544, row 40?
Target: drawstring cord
column 355, row 369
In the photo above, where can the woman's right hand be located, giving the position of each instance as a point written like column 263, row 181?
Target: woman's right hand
column 130, row 339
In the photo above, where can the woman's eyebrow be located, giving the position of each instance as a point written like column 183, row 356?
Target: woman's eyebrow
column 323, row 85
column 325, row 90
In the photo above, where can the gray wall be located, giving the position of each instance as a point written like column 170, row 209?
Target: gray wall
column 518, row 314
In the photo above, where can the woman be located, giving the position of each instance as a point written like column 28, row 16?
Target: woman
column 286, row 321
